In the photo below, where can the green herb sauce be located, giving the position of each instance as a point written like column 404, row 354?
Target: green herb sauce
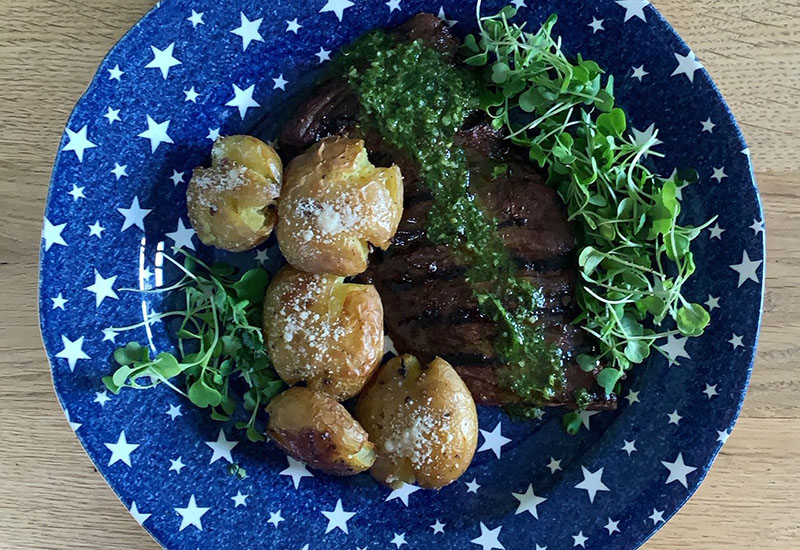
column 418, row 101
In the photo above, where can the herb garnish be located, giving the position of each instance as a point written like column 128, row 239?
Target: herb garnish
column 219, row 338
column 634, row 257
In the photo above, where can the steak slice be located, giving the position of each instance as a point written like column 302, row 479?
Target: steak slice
column 430, row 309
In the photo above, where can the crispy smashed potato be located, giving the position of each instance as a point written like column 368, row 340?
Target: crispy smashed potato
column 232, row 205
column 334, row 202
column 323, row 331
column 312, row 427
column 422, row 420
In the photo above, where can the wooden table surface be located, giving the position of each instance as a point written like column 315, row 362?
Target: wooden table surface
column 52, row 498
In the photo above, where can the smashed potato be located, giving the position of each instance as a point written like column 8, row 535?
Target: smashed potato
column 232, row 204
column 422, row 420
column 323, row 331
column 334, row 202
column 314, row 428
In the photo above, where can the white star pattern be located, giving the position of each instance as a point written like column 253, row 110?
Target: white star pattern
column 639, row 73
column 393, row 5
column 196, row 19
column 443, row 17
column 243, row 99
column 293, row 26
column 191, row 95
column 528, row 501
column 120, row 171
column 629, row 447
column 296, row 470
column 642, row 138
column 472, row 486
column 174, row 411
column 176, row 177
column 554, row 466
column 747, row 269
column 708, row 126
column 109, row 335
column 596, row 25
column 687, row 65
column 657, row 516
column 399, row 539
column 489, row 538
column 336, row 7
column 221, row 448
column 176, row 465
column 757, row 227
column 716, row 232
column 674, row 418
column 213, row 134
column 121, row 450
column 191, row 515
column 403, row 493
column 678, row 471
column 337, row 518
column 78, row 142
column 634, row 8
column 494, row 440
column 72, row 352
column 112, row 115
column 115, row 73
column 612, row 526
column 103, row 288
column 134, row 216
column 59, row 301
column 262, row 256
column 182, row 236
column 73, row 425
column 51, row 234
column 157, row 133
column 77, row 192
column 248, row 31
column 592, row 483
column 579, row 540
column 722, row 436
column 163, row 60
column 632, row 397
column 675, row 348
column 736, row 341
column 585, row 416
column 710, row 391
column 719, row 174
column 137, row 515
column 519, row 4
column 239, row 499
column 280, row 83
column 712, row 303
column 275, row 518
column 101, row 397
column 438, row 527
column 323, row 55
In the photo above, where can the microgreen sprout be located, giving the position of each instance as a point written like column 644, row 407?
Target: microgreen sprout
column 220, row 346
column 634, row 257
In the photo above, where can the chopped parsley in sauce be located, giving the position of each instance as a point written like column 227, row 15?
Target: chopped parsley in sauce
column 418, row 101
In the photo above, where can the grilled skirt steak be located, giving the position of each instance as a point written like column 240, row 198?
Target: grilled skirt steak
column 430, row 309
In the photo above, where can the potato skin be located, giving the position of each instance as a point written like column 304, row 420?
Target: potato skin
column 422, row 421
column 232, row 204
column 334, row 202
column 314, row 428
column 322, row 331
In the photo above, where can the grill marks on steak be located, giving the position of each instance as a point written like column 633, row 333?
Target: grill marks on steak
column 430, row 309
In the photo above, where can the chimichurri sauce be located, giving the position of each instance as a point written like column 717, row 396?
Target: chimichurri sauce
column 418, row 101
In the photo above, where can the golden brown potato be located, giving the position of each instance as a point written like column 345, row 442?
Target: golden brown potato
column 322, row 331
column 334, row 202
column 422, row 420
column 232, row 205
column 312, row 427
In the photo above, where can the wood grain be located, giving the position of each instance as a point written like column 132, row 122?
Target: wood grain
column 50, row 495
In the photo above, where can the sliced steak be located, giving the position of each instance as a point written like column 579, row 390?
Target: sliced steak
column 430, row 309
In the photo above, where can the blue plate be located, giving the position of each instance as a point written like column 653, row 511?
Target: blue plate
column 191, row 70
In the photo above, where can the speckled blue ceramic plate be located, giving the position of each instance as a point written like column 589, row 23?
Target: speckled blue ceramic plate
column 191, row 70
